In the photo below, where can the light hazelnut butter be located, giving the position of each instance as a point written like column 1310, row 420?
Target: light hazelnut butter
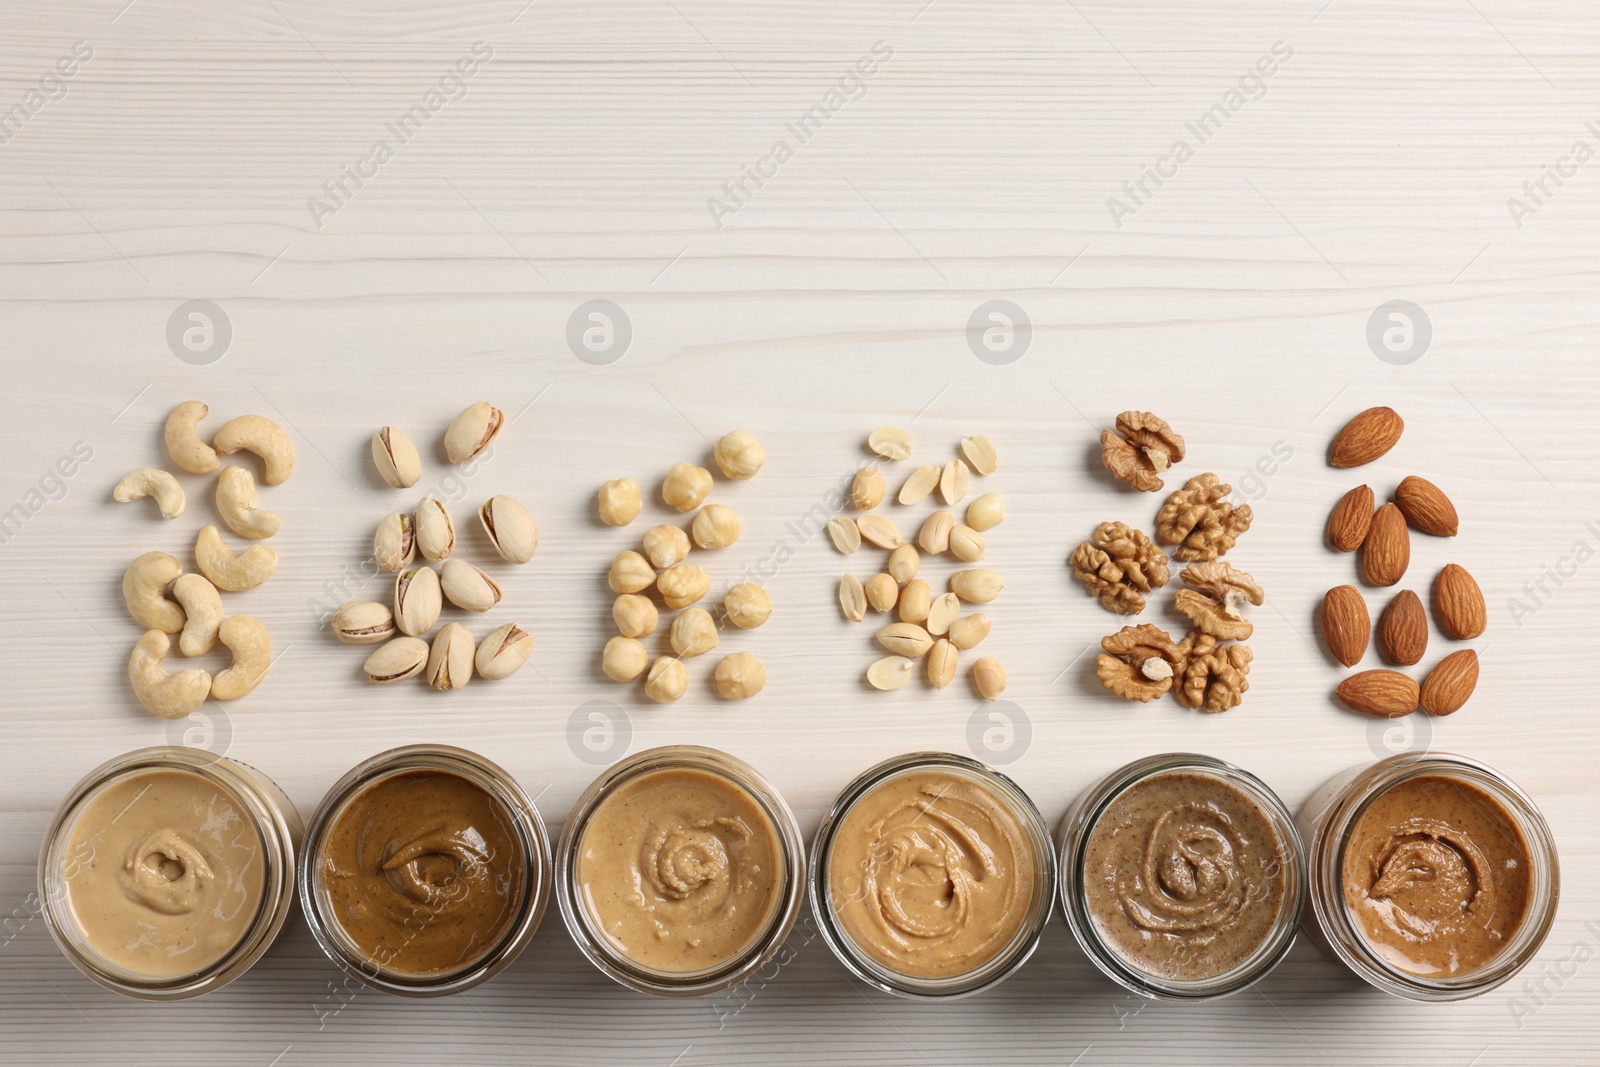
column 680, row 871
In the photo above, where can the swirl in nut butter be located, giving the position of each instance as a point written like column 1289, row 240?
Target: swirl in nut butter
column 681, row 869
column 423, row 871
column 1437, row 876
column 163, row 873
column 930, row 875
column 1183, row 876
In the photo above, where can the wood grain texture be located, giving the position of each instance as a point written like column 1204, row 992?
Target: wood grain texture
column 976, row 164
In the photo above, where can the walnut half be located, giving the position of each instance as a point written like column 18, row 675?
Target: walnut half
column 1139, row 662
column 1200, row 521
column 1139, row 449
column 1215, row 676
column 1212, row 600
column 1119, row 565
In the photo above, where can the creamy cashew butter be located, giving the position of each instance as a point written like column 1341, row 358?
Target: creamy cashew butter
column 681, row 869
column 1437, row 876
column 930, row 875
column 424, row 872
column 163, row 873
column 1183, row 876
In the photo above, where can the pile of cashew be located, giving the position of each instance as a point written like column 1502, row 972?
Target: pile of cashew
column 165, row 600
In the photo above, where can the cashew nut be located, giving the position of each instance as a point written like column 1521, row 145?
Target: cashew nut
column 142, row 586
column 152, row 481
column 184, row 444
column 252, row 652
column 202, row 609
column 171, row 696
column 265, row 438
column 230, row 572
column 240, row 505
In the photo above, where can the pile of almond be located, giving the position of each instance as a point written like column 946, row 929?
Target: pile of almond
column 1383, row 537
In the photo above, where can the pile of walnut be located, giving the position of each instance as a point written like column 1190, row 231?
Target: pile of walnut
column 165, row 600
column 419, row 592
column 931, row 629
column 1209, row 669
column 660, row 568
column 1385, row 544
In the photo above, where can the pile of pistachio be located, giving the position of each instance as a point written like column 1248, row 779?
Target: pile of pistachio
column 932, row 629
column 419, row 590
column 661, row 569
column 165, row 600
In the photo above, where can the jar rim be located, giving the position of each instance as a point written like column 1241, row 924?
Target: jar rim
column 1084, row 815
column 277, row 830
column 761, row 948
column 1351, row 944
column 993, row 970
column 533, row 841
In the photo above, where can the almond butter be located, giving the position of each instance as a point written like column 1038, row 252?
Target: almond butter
column 1426, row 507
column 1385, row 694
column 1386, row 553
column 1458, row 604
column 1366, row 437
column 1451, row 682
column 1351, row 519
column 1403, row 630
column 1346, row 626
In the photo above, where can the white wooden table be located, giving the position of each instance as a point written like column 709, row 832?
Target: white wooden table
column 974, row 164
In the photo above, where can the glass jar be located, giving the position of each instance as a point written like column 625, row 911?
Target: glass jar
column 887, row 780
column 1199, row 844
column 261, row 825
column 1332, row 813
column 446, row 875
column 685, row 851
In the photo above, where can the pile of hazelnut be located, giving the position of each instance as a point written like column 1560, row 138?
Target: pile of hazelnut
column 660, row 568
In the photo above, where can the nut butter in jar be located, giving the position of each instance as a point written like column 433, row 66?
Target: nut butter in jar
column 931, row 876
column 679, row 871
column 1434, row 877
column 426, row 871
column 167, row 872
column 1182, row 876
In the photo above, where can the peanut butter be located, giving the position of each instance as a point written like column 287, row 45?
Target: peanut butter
column 930, row 875
column 423, row 871
column 163, row 873
column 681, row 869
column 1183, row 876
column 1437, row 876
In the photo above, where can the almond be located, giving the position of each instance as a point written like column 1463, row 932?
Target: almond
column 1366, row 437
column 1450, row 683
column 1351, row 518
column 1386, row 694
column 1403, row 630
column 1458, row 604
column 1346, row 626
column 1426, row 507
column 1386, row 553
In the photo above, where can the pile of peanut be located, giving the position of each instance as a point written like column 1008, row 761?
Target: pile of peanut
column 165, row 600
column 660, row 567
column 419, row 591
column 931, row 628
